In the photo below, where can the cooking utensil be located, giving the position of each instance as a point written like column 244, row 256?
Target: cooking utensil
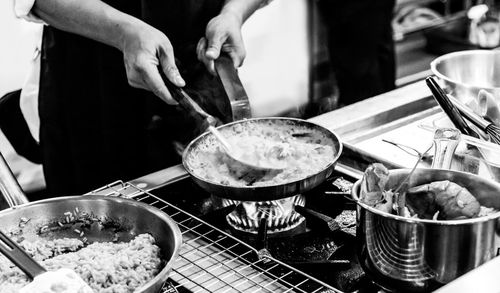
column 238, row 155
column 133, row 218
column 490, row 128
column 41, row 278
column 294, row 127
column 409, row 150
column 448, row 107
column 418, row 255
column 465, row 73
column 19, row 257
column 445, row 141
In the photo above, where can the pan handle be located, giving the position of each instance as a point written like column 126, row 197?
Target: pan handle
column 11, row 192
column 228, row 75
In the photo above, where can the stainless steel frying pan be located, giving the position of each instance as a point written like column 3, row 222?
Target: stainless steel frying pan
column 126, row 219
column 291, row 126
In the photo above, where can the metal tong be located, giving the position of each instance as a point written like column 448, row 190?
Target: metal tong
column 449, row 108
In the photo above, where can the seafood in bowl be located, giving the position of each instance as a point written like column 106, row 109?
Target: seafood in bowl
column 436, row 200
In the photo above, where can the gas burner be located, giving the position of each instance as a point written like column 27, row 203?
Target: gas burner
column 280, row 214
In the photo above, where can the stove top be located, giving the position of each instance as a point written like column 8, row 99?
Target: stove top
column 323, row 246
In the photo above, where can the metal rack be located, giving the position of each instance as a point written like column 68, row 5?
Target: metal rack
column 212, row 260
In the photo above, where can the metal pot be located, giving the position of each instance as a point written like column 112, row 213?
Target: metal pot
column 465, row 73
column 133, row 217
column 416, row 255
column 191, row 157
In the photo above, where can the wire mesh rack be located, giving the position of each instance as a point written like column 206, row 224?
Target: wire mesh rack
column 211, row 260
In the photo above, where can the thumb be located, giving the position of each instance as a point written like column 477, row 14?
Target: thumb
column 215, row 42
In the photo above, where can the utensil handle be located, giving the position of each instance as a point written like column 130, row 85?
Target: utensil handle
column 469, row 114
column 233, row 87
column 19, row 257
column 11, row 192
column 445, row 142
column 448, row 107
column 187, row 103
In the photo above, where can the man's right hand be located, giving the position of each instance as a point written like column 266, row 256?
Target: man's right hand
column 144, row 48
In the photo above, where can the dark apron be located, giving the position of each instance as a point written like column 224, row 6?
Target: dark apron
column 95, row 128
column 361, row 46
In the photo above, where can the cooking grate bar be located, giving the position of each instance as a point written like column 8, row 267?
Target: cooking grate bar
column 211, row 260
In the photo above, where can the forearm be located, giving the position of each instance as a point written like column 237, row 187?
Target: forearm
column 93, row 19
column 242, row 8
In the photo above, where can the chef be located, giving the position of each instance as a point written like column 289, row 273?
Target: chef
column 104, row 111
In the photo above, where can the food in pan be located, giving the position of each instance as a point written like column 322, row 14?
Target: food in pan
column 302, row 151
column 106, row 267
column 438, row 200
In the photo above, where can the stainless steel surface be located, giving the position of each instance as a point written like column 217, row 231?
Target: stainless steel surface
column 484, row 279
column 211, row 260
column 465, row 73
column 134, row 217
column 394, row 115
column 445, row 143
column 240, row 105
column 11, row 191
column 416, row 255
column 268, row 192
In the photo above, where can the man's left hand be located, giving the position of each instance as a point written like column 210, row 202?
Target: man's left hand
column 222, row 35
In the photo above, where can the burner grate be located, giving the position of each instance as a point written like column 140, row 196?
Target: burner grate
column 211, row 260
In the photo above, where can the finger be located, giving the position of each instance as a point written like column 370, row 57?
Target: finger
column 236, row 51
column 167, row 61
column 215, row 41
column 154, row 82
column 201, row 49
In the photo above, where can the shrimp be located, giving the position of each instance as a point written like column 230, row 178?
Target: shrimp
column 450, row 199
column 373, row 191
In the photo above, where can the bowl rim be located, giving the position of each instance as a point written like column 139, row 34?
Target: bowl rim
column 357, row 186
column 438, row 60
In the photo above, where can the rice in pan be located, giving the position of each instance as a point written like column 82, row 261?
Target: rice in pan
column 106, row 267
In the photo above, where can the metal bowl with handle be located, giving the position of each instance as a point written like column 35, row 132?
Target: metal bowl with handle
column 290, row 126
column 132, row 217
column 417, row 255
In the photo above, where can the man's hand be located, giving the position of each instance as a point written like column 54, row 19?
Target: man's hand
column 223, row 34
column 144, row 48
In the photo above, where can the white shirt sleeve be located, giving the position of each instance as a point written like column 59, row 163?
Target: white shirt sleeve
column 22, row 9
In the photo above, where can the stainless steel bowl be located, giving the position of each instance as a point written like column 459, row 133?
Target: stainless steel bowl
column 464, row 73
column 415, row 255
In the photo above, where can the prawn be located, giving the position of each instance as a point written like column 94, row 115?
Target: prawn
column 373, row 191
column 451, row 200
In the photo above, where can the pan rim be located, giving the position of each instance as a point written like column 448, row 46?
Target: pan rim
column 162, row 276
column 245, row 187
